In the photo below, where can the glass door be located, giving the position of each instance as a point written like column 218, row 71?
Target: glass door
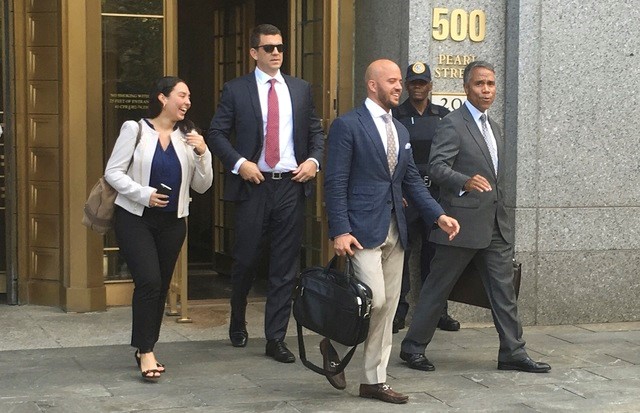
column 8, row 197
column 324, row 57
column 133, row 56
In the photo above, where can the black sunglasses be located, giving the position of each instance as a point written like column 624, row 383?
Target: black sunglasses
column 268, row 48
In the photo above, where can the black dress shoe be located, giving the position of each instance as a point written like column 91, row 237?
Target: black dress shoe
column 448, row 324
column 331, row 362
column 279, row 351
column 239, row 338
column 398, row 324
column 526, row 365
column 417, row 361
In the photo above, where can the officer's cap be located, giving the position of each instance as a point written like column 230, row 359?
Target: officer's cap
column 418, row 71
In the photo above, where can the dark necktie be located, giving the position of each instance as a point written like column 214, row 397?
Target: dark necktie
column 272, row 141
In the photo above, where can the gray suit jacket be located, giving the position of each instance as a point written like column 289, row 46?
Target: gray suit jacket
column 459, row 152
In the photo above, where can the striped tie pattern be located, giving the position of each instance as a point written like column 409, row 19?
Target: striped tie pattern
column 491, row 143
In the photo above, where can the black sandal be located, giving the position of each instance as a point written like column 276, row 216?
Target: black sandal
column 158, row 365
column 152, row 378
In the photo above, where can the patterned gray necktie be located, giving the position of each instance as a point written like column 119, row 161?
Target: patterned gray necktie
column 392, row 151
column 491, row 143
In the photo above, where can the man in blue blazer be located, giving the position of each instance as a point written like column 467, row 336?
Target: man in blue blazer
column 270, row 141
column 467, row 163
column 369, row 164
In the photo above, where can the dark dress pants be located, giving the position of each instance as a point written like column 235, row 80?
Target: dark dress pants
column 150, row 245
column 496, row 269
column 273, row 213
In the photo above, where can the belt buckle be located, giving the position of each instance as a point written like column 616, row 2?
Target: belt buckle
column 276, row 176
column 427, row 181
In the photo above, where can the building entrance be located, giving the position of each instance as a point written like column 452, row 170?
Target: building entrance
column 213, row 48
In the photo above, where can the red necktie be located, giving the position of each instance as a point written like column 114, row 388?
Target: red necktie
column 272, row 141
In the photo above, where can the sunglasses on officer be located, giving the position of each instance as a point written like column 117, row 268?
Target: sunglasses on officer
column 268, row 48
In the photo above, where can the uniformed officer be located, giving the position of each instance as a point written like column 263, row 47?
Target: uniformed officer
column 421, row 118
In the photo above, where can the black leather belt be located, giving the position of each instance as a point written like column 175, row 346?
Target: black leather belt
column 277, row 176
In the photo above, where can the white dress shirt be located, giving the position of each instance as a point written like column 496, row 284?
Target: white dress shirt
column 376, row 113
column 285, row 109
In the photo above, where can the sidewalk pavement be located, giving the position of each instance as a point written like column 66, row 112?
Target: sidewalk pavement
column 51, row 361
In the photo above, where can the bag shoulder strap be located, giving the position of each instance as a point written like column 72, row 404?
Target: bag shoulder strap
column 317, row 369
column 136, row 145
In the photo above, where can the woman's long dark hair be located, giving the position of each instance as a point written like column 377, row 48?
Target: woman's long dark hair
column 165, row 85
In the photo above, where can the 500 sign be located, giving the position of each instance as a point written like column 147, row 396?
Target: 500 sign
column 459, row 25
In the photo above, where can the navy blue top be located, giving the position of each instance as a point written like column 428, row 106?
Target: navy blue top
column 165, row 169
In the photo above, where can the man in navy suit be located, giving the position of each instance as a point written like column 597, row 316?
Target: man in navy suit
column 266, row 134
column 467, row 163
column 369, row 164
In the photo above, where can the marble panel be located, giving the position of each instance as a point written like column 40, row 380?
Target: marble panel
column 588, row 154
column 583, row 229
column 588, row 286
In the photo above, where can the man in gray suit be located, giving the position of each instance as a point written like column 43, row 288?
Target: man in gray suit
column 466, row 162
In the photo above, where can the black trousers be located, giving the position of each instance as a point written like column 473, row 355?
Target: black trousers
column 150, row 245
column 274, row 213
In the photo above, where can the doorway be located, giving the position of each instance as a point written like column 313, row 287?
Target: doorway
column 213, row 48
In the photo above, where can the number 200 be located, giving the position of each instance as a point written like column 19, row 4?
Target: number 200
column 459, row 24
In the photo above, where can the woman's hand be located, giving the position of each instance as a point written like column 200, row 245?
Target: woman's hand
column 157, row 200
column 195, row 140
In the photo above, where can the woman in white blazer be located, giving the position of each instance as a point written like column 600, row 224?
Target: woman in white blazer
column 153, row 177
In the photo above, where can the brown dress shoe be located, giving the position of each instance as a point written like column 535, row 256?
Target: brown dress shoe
column 382, row 392
column 331, row 361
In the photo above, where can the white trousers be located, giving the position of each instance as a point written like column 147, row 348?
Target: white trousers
column 381, row 269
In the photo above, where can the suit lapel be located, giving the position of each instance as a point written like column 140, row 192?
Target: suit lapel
column 477, row 136
column 372, row 132
column 403, row 140
column 296, row 101
column 499, row 141
column 252, row 86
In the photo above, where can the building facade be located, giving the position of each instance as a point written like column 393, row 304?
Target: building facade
column 567, row 78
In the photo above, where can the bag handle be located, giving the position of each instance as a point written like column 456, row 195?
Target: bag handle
column 349, row 272
column 317, row 369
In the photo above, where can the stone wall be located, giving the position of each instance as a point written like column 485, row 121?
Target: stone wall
column 568, row 77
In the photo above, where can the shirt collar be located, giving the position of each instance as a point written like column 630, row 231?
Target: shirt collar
column 375, row 109
column 474, row 111
column 262, row 77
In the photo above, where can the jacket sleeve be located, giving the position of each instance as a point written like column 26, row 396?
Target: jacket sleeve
column 337, row 172
column 203, row 173
column 316, row 133
column 117, row 167
column 444, row 150
column 222, row 125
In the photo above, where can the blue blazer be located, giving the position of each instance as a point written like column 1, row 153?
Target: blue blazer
column 360, row 194
column 237, row 131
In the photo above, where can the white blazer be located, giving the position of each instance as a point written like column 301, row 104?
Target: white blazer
column 133, row 186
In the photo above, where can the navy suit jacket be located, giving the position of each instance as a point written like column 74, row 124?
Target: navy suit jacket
column 237, row 130
column 360, row 194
